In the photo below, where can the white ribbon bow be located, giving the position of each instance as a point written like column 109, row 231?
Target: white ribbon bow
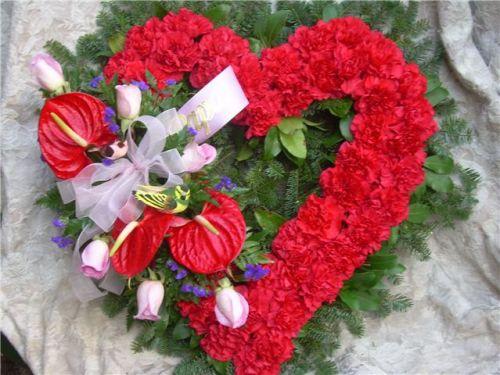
column 104, row 193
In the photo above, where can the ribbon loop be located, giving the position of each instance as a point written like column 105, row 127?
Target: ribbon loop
column 112, row 197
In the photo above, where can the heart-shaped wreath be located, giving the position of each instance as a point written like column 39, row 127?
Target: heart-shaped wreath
column 192, row 236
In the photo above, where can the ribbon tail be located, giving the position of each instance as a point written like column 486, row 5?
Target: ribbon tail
column 173, row 180
column 66, row 191
column 224, row 97
column 113, row 282
column 131, row 211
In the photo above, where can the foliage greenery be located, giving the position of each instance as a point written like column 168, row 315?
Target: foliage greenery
column 277, row 173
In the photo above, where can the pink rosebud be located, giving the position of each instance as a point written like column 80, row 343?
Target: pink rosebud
column 149, row 299
column 128, row 99
column 195, row 157
column 47, row 72
column 231, row 309
column 115, row 150
column 95, row 259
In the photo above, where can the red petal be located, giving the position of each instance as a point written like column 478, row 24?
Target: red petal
column 141, row 245
column 202, row 251
column 85, row 115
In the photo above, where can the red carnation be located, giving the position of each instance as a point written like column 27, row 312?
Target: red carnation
column 321, row 217
column 187, row 22
column 177, row 52
column 290, row 79
column 219, row 49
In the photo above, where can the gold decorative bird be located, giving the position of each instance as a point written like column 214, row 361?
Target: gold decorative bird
column 171, row 200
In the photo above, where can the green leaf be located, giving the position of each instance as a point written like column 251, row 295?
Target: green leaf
column 331, row 11
column 382, row 262
column 337, row 107
column 418, row 213
column 116, row 42
column 419, row 191
column 253, row 143
column 269, row 221
column 181, row 330
column 345, row 128
column 151, row 80
column 112, row 304
column 220, row 367
column 272, row 146
column 244, row 153
column 291, row 124
column 433, row 82
column 437, row 95
column 332, row 140
column 439, row 164
column 219, row 14
column 295, row 144
column 365, row 279
column 437, row 182
column 394, row 236
column 256, row 45
column 194, row 341
column 75, row 226
column 360, row 300
column 313, row 124
column 268, row 29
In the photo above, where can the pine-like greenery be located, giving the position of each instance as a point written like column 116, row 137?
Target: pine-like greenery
column 281, row 184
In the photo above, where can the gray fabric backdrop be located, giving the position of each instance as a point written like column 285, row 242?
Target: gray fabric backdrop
column 454, row 324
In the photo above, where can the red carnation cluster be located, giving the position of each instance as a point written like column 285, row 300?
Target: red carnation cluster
column 167, row 48
column 365, row 194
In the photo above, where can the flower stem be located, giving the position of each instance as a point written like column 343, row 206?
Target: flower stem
column 68, row 131
column 125, row 124
column 122, row 236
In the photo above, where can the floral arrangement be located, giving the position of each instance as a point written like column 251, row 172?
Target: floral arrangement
column 232, row 243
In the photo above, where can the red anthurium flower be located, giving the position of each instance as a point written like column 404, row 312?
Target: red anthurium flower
column 69, row 125
column 141, row 244
column 211, row 241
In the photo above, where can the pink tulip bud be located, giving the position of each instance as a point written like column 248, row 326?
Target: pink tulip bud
column 195, row 157
column 95, row 259
column 115, row 150
column 231, row 309
column 128, row 99
column 149, row 299
column 47, row 72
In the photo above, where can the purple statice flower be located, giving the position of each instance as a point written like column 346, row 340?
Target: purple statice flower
column 109, row 114
column 200, row 292
column 186, row 288
column 94, row 82
column 42, row 158
column 192, row 131
column 107, row 162
column 182, row 273
column 114, row 127
column 58, row 223
column 225, row 183
column 143, row 86
column 170, row 82
column 62, row 241
column 254, row 272
column 172, row 265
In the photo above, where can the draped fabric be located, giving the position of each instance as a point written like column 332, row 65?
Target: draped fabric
column 452, row 327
